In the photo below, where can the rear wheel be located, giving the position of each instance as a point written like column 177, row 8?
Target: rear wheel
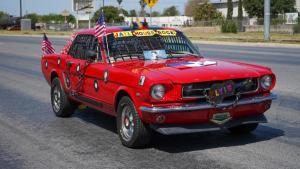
column 132, row 131
column 244, row 128
column 61, row 105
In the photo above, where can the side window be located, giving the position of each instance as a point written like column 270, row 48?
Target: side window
column 82, row 44
column 73, row 48
column 95, row 46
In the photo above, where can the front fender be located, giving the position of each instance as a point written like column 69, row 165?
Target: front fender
column 135, row 95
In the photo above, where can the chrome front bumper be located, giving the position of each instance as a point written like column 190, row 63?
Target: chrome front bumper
column 203, row 106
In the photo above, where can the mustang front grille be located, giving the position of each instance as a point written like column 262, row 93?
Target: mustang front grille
column 200, row 90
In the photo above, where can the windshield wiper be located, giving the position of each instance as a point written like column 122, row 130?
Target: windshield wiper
column 173, row 52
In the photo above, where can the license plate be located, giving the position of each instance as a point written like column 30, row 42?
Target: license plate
column 221, row 118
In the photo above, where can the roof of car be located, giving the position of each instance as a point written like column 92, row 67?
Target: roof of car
column 120, row 28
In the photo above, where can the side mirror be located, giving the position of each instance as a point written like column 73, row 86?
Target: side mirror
column 91, row 55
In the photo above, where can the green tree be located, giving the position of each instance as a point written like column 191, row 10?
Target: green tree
column 155, row 14
column 52, row 18
column 171, row 11
column 282, row 6
column 240, row 15
column 143, row 6
column 132, row 13
column 33, row 17
column 240, row 10
column 2, row 13
column 256, row 7
column 124, row 12
column 207, row 12
column 71, row 19
column 229, row 10
column 111, row 15
column 191, row 7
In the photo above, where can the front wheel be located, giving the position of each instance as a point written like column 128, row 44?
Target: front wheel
column 132, row 131
column 243, row 129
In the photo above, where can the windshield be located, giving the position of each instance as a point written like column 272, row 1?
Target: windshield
column 137, row 44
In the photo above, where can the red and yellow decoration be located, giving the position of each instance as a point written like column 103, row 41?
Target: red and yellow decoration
column 141, row 33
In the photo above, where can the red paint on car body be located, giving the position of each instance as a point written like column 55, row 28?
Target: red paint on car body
column 124, row 77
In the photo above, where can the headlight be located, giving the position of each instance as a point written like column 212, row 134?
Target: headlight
column 158, row 92
column 266, row 82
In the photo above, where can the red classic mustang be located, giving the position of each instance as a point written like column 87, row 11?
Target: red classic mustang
column 155, row 79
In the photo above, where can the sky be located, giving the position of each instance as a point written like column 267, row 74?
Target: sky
column 57, row 6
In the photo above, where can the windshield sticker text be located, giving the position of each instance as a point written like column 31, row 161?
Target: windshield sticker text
column 144, row 33
column 166, row 32
column 141, row 33
column 122, row 34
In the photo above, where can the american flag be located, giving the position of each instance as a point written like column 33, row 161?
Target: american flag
column 47, row 47
column 100, row 29
column 68, row 45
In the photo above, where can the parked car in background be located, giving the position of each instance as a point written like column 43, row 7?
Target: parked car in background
column 7, row 21
column 14, row 28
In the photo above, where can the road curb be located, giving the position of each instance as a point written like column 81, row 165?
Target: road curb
column 36, row 36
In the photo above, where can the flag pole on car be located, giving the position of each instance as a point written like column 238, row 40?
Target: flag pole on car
column 100, row 30
column 47, row 47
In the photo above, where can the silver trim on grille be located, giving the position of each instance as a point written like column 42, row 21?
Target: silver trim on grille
column 204, row 106
column 207, row 89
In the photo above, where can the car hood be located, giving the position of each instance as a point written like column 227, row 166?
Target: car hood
column 193, row 69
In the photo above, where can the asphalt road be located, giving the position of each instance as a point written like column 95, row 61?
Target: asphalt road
column 32, row 137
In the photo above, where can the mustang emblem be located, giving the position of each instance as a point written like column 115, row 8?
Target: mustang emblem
column 219, row 91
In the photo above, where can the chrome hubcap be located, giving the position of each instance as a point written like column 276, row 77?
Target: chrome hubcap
column 56, row 99
column 127, row 127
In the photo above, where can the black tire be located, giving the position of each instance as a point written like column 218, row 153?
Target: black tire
column 141, row 134
column 243, row 129
column 61, row 105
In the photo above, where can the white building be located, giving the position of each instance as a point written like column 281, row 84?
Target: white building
column 221, row 6
column 298, row 5
column 164, row 21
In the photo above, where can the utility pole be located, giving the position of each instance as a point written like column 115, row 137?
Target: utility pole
column 267, row 20
column 21, row 15
column 150, row 16
column 89, row 13
column 77, row 19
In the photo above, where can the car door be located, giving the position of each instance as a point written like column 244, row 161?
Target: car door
column 87, row 76
column 91, row 71
column 77, row 63
column 94, row 71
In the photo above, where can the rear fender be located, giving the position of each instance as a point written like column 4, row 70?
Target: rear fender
column 61, row 78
